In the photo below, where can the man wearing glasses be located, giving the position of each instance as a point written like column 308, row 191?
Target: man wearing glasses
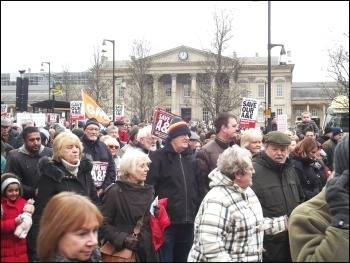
column 103, row 171
column 146, row 141
column 226, row 129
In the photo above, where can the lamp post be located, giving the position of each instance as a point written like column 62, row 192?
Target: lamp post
column 269, row 47
column 104, row 44
column 42, row 64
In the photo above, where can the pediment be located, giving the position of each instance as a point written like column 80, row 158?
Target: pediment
column 172, row 55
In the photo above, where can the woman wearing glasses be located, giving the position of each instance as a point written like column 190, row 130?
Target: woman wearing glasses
column 114, row 147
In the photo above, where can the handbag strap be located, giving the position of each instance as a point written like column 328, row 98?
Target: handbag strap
column 138, row 226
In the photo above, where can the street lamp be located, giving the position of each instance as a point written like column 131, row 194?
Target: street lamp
column 42, row 64
column 282, row 53
column 103, row 50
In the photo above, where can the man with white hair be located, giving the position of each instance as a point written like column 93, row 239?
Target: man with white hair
column 146, row 141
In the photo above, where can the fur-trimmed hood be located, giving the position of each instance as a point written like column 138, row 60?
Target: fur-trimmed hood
column 49, row 167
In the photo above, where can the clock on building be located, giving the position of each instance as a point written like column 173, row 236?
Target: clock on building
column 183, row 55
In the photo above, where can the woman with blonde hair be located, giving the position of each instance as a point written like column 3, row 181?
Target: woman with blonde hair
column 68, row 229
column 125, row 203
column 252, row 140
column 67, row 170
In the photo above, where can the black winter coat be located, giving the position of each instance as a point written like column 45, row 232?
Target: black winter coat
column 178, row 178
column 55, row 178
column 123, row 204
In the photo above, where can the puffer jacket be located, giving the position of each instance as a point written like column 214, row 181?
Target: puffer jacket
column 13, row 249
column 176, row 176
column 279, row 191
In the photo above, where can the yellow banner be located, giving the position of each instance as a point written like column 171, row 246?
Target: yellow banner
column 92, row 110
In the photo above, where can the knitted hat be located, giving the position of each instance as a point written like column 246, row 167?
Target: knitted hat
column 178, row 127
column 336, row 131
column 92, row 121
column 341, row 155
column 278, row 138
column 327, row 130
column 10, row 178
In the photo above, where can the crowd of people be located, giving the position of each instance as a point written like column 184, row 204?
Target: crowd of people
column 232, row 194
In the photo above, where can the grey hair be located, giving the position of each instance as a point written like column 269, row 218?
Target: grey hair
column 249, row 136
column 129, row 161
column 111, row 128
column 234, row 160
column 144, row 132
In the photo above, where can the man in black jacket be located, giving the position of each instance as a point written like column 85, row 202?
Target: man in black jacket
column 175, row 175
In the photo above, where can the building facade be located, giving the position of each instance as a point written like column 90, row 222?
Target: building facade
column 176, row 73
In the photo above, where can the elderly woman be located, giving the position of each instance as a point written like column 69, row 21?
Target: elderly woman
column 252, row 140
column 229, row 225
column 312, row 172
column 68, row 230
column 125, row 203
column 67, row 170
column 114, row 147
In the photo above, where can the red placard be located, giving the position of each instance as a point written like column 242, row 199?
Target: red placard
column 161, row 122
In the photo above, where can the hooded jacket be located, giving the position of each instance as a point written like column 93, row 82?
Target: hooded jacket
column 176, row 176
column 24, row 164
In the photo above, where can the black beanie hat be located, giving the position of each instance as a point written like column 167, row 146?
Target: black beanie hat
column 341, row 156
column 92, row 121
column 178, row 127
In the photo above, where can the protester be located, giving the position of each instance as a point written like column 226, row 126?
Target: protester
column 277, row 187
column 123, row 135
column 306, row 124
column 126, row 202
column 229, row 225
column 175, row 175
column 329, row 146
column 13, row 249
column 145, row 140
column 311, row 172
column 69, row 230
column 319, row 228
column 226, row 131
column 114, row 147
column 252, row 140
column 327, row 133
column 67, row 170
column 6, row 135
column 103, row 171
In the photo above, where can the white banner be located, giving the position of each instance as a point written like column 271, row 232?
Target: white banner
column 3, row 108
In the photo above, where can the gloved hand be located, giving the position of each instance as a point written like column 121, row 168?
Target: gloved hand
column 156, row 210
column 131, row 242
column 337, row 197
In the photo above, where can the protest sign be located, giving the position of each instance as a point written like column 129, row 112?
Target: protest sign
column 282, row 122
column 249, row 112
column 161, row 122
column 92, row 110
column 76, row 108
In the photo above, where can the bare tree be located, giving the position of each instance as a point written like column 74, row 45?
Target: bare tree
column 71, row 90
column 99, row 85
column 339, row 71
column 218, row 92
column 139, row 93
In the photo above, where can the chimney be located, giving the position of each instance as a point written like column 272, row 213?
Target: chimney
column 29, row 70
column 256, row 54
column 234, row 54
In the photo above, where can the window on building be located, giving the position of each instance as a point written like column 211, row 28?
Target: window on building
column 186, row 90
column 298, row 113
column 243, row 90
column 261, row 115
column 167, row 90
column 279, row 111
column 261, row 90
column 104, row 94
column 121, row 93
column 205, row 115
column 168, row 109
column 279, row 91
column 314, row 113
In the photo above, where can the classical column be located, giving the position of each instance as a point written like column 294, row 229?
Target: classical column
column 174, row 105
column 155, row 89
column 193, row 95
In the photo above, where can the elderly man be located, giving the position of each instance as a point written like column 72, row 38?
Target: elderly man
column 277, row 186
column 6, row 135
column 146, row 141
column 103, row 171
column 175, row 175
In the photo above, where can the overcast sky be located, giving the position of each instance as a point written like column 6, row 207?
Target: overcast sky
column 66, row 33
